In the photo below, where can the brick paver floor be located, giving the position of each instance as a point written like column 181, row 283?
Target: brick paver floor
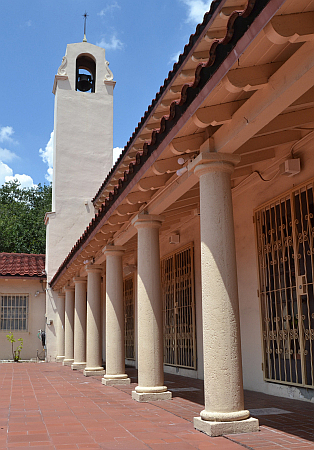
column 49, row 406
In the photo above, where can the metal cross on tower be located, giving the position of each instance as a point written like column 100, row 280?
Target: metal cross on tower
column 85, row 17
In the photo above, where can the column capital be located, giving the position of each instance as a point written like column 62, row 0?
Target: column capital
column 61, row 294
column 147, row 221
column 213, row 162
column 94, row 268
column 115, row 250
column 68, row 288
column 79, row 280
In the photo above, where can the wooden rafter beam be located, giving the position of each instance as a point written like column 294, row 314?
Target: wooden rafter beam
column 288, row 120
column 289, row 82
column 291, row 28
column 269, row 141
column 250, row 78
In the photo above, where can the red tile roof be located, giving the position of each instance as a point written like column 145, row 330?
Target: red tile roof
column 22, row 264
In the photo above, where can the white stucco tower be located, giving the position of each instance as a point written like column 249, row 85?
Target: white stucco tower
column 83, row 141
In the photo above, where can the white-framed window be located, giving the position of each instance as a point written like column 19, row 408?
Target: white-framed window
column 14, row 312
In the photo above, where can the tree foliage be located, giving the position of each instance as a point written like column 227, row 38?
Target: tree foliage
column 22, row 212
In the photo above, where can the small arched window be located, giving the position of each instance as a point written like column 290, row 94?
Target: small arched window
column 85, row 74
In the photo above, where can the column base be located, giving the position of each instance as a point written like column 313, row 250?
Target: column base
column 222, row 428
column 68, row 362
column 60, row 359
column 78, row 365
column 93, row 371
column 151, row 396
column 115, row 381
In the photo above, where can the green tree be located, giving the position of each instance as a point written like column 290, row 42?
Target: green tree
column 22, row 212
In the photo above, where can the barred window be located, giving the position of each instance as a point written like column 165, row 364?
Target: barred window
column 177, row 280
column 128, row 294
column 14, row 312
column 285, row 244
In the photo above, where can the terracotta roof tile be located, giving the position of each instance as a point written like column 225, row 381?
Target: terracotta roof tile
column 22, row 264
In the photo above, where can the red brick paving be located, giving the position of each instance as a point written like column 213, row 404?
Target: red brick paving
column 49, row 406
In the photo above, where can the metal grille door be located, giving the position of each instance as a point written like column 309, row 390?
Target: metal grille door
column 177, row 279
column 128, row 295
column 285, row 233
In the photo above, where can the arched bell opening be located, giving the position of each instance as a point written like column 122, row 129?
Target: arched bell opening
column 85, row 74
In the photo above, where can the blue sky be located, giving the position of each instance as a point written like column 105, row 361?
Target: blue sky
column 142, row 41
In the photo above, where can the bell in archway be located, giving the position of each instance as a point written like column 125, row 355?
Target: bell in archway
column 84, row 82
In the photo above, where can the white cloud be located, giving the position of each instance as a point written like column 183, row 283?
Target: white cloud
column 5, row 171
column 113, row 44
column 196, row 9
column 6, row 174
column 25, row 180
column 6, row 155
column 116, row 153
column 6, row 134
column 174, row 58
column 109, row 8
column 47, row 157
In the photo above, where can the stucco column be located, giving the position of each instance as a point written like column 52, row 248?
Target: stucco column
column 224, row 411
column 150, row 331
column 115, row 363
column 79, row 324
column 60, row 328
column 93, row 322
column 69, row 326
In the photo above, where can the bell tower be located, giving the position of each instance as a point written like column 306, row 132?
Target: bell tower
column 82, row 153
column 82, row 149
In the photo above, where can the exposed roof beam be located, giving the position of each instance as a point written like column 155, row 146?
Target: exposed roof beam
column 162, row 166
column 291, row 28
column 139, row 197
column 268, row 141
column 249, row 78
column 241, row 172
column 186, row 144
column 126, row 208
column 216, row 114
column 291, row 80
column 115, row 219
column 252, row 158
column 289, row 120
column 146, row 184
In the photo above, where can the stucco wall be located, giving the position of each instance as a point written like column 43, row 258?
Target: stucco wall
column 36, row 317
column 245, row 200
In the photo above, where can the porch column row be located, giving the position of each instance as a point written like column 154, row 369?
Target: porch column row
column 150, row 331
column 224, row 411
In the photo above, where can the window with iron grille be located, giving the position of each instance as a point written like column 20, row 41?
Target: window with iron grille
column 177, row 280
column 285, row 244
column 128, row 296
column 14, row 312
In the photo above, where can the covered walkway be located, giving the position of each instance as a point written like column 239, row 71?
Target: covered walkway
column 50, row 406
